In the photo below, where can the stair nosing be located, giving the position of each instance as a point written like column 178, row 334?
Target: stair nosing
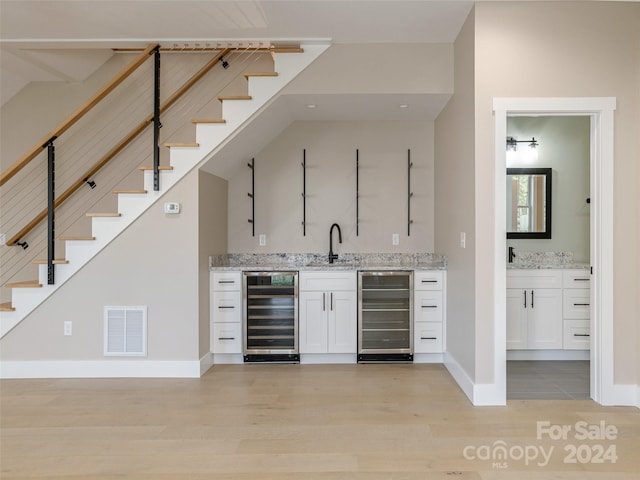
column 72, row 238
column 161, row 167
column 212, row 120
column 234, row 97
column 7, row 307
column 26, row 284
column 56, row 261
column 260, row 74
column 103, row 215
column 183, row 144
column 141, row 192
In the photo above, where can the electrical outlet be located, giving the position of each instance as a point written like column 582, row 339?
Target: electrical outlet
column 68, row 328
column 262, row 239
column 463, row 240
column 395, row 239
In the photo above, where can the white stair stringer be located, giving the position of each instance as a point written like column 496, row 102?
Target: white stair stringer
column 182, row 159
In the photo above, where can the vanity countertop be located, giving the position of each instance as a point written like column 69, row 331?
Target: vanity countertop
column 562, row 266
column 316, row 262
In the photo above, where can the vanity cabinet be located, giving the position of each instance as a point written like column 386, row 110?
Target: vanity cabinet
column 226, row 312
column 534, row 310
column 576, row 309
column 428, row 312
column 328, row 305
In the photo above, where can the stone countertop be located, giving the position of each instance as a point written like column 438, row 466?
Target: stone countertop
column 316, row 261
column 544, row 261
column 561, row 266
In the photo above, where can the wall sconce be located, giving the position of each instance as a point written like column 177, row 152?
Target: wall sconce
column 512, row 143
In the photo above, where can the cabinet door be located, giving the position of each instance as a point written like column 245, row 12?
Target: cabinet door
column 427, row 306
column 428, row 337
column 312, row 326
column 544, row 329
column 342, row 322
column 516, row 319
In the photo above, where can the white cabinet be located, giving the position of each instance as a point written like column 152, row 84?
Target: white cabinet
column 226, row 312
column 576, row 309
column 328, row 312
column 534, row 310
column 428, row 312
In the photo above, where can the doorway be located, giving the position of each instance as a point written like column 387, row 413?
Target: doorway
column 548, row 216
column 600, row 113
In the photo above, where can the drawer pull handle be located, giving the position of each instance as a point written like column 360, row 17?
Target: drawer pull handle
column 580, row 304
column 429, row 281
column 580, row 279
column 226, row 338
column 581, row 335
column 226, row 306
column 226, row 281
column 429, row 306
column 428, row 338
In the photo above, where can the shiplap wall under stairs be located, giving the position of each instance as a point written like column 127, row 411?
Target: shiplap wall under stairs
column 210, row 133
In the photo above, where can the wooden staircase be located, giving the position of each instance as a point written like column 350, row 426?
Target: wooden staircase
column 184, row 157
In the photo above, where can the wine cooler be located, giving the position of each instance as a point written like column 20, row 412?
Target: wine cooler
column 270, row 320
column 385, row 316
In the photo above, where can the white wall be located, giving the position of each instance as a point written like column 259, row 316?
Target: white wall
column 455, row 197
column 331, row 189
column 563, row 49
column 564, row 147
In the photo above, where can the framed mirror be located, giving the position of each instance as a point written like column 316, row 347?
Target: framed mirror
column 528, row 203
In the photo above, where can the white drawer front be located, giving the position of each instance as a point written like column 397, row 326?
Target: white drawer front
column 226, row 338
column 542, row 278
column 428, row 337
column 226, row 281
column 328, row 281
column 427, row 306
column 427, row 280
column 226, row 306
column 576, row 335
column 575, row 303
column 576, row 278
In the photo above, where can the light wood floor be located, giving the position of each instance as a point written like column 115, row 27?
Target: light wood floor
column 285, row 422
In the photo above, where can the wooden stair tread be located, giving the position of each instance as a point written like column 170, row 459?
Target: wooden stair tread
column 68, row 238
column 129, row 191
column 6, row 307
column 108, row 214
column 56, row 261
column 161, row 167
column 234, row 97
column 178, row 144
column 211, row 120
column 27, row 284
column 287, row 50
column 260, row 74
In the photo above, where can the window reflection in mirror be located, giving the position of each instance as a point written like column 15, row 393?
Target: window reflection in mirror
column 528, row 203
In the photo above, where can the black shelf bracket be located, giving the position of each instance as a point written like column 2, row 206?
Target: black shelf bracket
column 251, row 195
column 357, row 192
column 304, row 192
column 409, row 192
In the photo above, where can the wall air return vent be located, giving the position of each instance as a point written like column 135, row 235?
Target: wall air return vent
column 125, row 331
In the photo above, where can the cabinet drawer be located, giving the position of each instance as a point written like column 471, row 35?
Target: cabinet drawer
column 428, row 337
column 427, row 306
column 226, row 306
column 226, row 338
column 575, row 303
column 427, row 280
column 534, row 278
column 576, row 335
column 576, row 278
column 226, row 281
column 328, row 281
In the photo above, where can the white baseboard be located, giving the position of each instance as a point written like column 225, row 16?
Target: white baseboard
column 459, row 375
column 548, row 354
column 206, row 362
column 228, row 358
column 100, row 369
column 480, row 394
column 627, row 395
column 428, row 358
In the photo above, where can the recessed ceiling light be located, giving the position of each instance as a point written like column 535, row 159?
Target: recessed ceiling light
column 311, row 105
column 404, row 105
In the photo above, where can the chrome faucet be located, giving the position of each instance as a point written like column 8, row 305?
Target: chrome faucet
column 333, row 256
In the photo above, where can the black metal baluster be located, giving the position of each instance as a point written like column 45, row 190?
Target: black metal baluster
column 156, row 120
column 304, row 192
column 357, row 192
column 409, row 193
column 51, row 220
column 251, row 195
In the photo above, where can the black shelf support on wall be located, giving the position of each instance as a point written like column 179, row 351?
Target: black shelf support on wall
column 252, row 196
column 409, row 192
column 357, row 192
column 304, row 192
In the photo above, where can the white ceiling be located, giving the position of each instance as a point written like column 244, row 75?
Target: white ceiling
column 67, row 40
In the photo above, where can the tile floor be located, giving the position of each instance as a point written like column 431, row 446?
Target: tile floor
column 547, row 380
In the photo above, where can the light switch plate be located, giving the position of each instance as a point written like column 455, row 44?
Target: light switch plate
column 68, row 328
column 395, row 239
column 463, row 240
column 262, row 239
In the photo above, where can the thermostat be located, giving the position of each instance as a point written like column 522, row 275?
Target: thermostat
column 171, row 207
